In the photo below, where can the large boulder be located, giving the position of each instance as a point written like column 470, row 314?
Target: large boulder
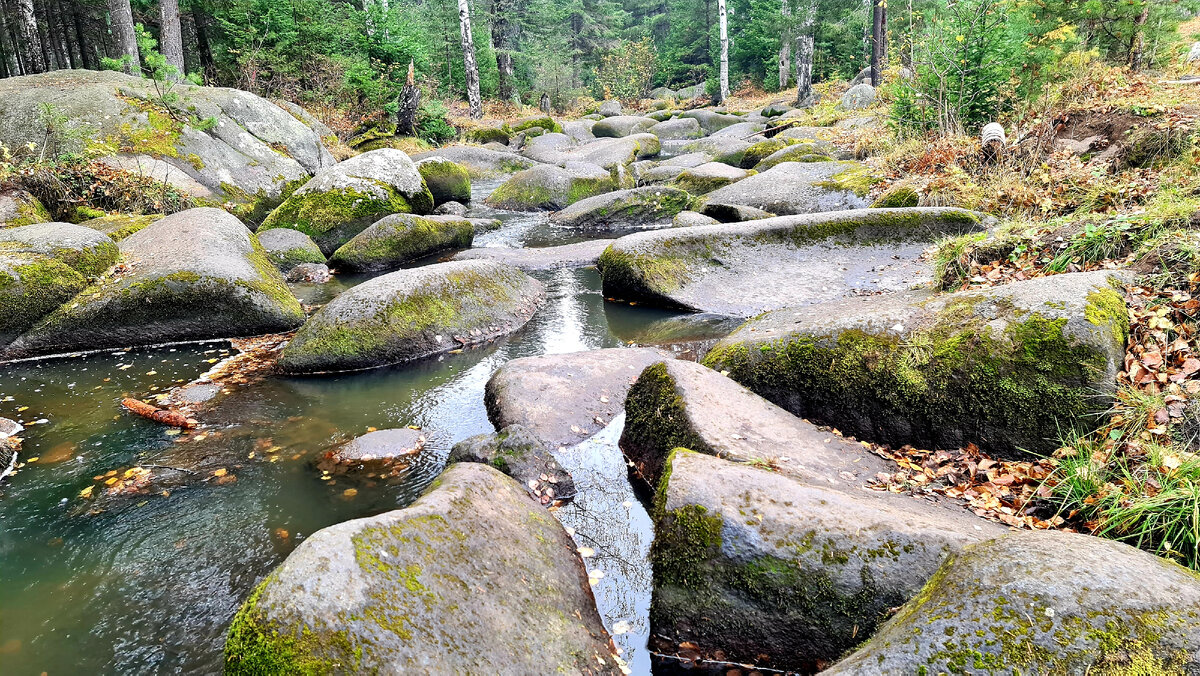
column 1010, row 369
column 467, row 579
column 724, row 149
column 18, row 207
column 193, row 275
column 740, row 130
column 1043, row 603
column 120, row 226
column 288, row 248
column 743, row 269
column 709, row 177
column 802, row 188
column 677, row 129
column 711, row 121
column 802, row 152
column 254, row 152
column 687, row 160
column 550, row 188
column 549, row 148
column 401, row 238
column 624, row 209
column 577, row 255
column 339, row 202
column 480, row 162
column 579, row 131
column 447, row 181
column 612, row 153
column 564, row 398
column 517, row 452
column 87, row 251
column 414, row 313
column 610, row 108
column 31, row 287
column 859, row 97
column 619, row 126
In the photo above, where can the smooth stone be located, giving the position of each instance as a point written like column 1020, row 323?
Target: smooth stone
column 708, row 177
column 687, row 219
column 550, row 188
column 645, row 207
column 620, row 126
column 288, row 248
column 87, row 251
column 801, row 188
column 18, row 207
column 858, row 97
column 450, row 208
column 447, row 181
column 401, row 238
column 579, row 130
column 515, row 451
column 577, row 255
column 480, row 162
column 610, row 108
column 711, row 121
column 309, row 273
column 120, row 226
column 31, row 287
column 677, row 129
column 381, row 453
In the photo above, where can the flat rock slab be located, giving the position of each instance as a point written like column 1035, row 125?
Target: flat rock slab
column 87, row 251
column 801, row 188
column 480, row 162
column 1008, row 368
column 559, row 397
column 578, row 255
column 1043, row 602
column 377, row 454
column 746, row 268
column 414, row 313
column 469, row 579
column 645, row 207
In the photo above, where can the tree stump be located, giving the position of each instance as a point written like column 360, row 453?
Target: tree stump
column 407, row 105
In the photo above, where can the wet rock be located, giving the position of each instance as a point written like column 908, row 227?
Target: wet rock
column 745, row 268
column 550, row 188
column 309, row 273
column 677, row 129
column 577, row 255
column 802, row 188
column 339, row 202
column 621, row 125
column 414, row 313
column 859, row 97
column 480, row 162
column 481, row 225
column 1043, row 603
column 193, row 275
column 710, row 121
column 451, row 208
column 287, row 248
column 709, row 177
column 18, row 207
column 10, row 445
column 1008, row 368
column 401, row 238
column 372, row 595
column 378, row 454
column 724, row 149
column 610, row 108
column 447, row 181
column 120, row 226
column 88, row 252
column 253, row 154
column 9, row 428
column 685, row 219
column 515, row 451
column 624, row 209
column 31, row 287
column 733, row 213
column 564, row 398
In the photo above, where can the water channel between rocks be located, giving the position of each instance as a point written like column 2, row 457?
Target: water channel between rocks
column 150, row 586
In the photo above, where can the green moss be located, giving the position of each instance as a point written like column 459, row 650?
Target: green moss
column 120, row 226
column 656, row 424
column 28, row 211
column 388, row 243
column 545, row 123
column 638, row 276
column 858, row 179
column 332, row 218
column 82, row 213
column 897, row 197
column 483, row 135
column 158, row 137
column 194, row 160
column 31, row 287
column 698, row 184
column 91, row 261
column 761, row 150
column 1106, row 309
column 446, row 180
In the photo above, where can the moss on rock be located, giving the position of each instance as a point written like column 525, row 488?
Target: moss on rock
column 31, row 287
column 447, row 181
column 401, row 238
column 897, row 198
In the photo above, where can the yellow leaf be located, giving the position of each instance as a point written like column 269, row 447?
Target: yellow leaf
column 87, row 492
column 220, row 472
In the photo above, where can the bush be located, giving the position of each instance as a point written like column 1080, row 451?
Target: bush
column 432, row 124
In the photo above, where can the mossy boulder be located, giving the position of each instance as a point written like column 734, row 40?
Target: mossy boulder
column 18, row 207
column 803, row 188
column 88, row 252
column 480, row 162
column 482, row 135
column 31, row 287
column 771, row 569
column 577, row 255
column 619, row 126
column 414, row 313
column 624, row 209
column 760, row 150
column 709, row 177
column 401, row 238
column 799, row 152
column 1011, row 369
column 546, row 123
column 193, row 275
column 897, row 197
column 447, row 181
column 1043, row 603
column 517, row 452
column 677, row 129
column 733, row 213
column 287, row 248
column 742, row 269
column 550, row 188
column 549, row 148
column 339, row 202
column 559, row 397
column 724, row 149
column 613, row 153
column 465, row 580
column 120, row 226
column 711, row 121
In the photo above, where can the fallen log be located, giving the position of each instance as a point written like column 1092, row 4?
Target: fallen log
column 158, row 415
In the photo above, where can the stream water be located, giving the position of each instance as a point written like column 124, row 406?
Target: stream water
column 150, row 586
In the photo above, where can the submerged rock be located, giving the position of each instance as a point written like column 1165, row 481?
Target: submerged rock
column 480, row 162
column 120, row 226
column 624, row 209
column 468, row 579
column 743, row 269
column 31, row 287
column 401, row 238
column 577, row 255
column 564, row 398
column 339, row 202
column 377, row 454
column 1043, row 603
column 193, row 275
column 288, row 248
column 414, row 313
column 447, row 181
column 1010, row 368
column 517, row 452
column 550, row 188
column 309, row 273
column 18, row 207
column 802, row 188
column 88, row 252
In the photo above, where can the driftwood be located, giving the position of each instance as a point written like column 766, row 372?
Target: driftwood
column 770, row 132
column 158, row 415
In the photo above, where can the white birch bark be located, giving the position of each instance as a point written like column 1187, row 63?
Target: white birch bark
column 472, row 71
column 805, row 43
column 724, row 28
column 785, row 46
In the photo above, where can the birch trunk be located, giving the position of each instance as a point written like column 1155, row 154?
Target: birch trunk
column 805, row 44
column 123, row 35
column 468, row 47
column 27, row 20
column 170, row 35
column 785, row 46
column 724, row 28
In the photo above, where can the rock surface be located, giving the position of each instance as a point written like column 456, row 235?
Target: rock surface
column 711, row 121
column 743, row 269
column 577, row 255
column 339, row 202
column 389, row 593
column 550, row 188
column 447, row 181
column 619, row 126
column 288, row 248
column 18, row 207
column 414, row 313
column 517, row 452
column 859, row 97
column 31, row 287
column 120, row 226
column 1043, row 603
column 480, row 162
column 624, row 209
column 193, row 275
column 402, row 238
column 1010, row 368
column 87, row 251
column 709, row 177
column 677, row 129
column 801, row 188
column 378, row 454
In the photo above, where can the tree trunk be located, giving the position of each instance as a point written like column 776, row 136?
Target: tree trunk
column 1137, row 45
column 504, row 40
column 170, row 35
column 123, row 34
column 11, row 65
column 785, row 46
column 723, row 23
column 407, row 106
column 805, row 43
column 877, row 42
column 35, row 61
column 45, row 36
column 468, row 47
column 202, row 45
